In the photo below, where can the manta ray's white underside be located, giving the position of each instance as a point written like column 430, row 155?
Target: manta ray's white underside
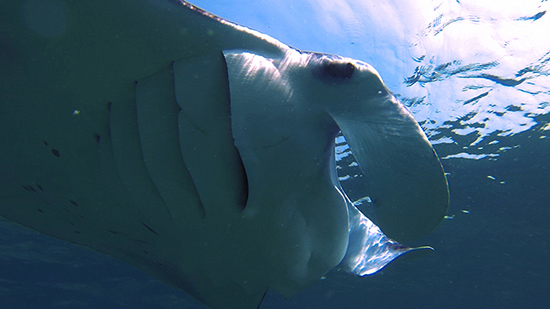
column 200, row 151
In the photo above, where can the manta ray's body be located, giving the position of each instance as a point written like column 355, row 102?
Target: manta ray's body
column 200, row 151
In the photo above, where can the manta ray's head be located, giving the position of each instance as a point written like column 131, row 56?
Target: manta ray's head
column 286, row 111
column 303, row 99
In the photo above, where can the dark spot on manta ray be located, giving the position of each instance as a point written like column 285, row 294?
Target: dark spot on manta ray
column 31, row 189
column 54, row 151
column 28, row 188
column 337, row 69
column 73, row 202
column 149, row 228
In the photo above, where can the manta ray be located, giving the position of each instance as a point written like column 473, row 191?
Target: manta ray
column 201, row 151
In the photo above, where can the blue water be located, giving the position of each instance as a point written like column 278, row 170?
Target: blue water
column 474, row 73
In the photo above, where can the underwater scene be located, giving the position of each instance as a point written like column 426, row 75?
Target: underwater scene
column 475, row 74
